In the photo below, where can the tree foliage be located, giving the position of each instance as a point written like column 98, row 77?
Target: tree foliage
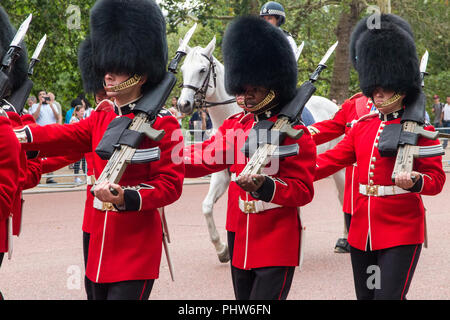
column 66, row 26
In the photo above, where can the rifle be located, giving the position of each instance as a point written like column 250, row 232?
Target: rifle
column 123, row 136
column 402, row 138
column 20, row 96
column 269, row 135
column 11, row 56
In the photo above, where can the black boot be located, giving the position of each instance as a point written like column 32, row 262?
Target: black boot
column 342, row 246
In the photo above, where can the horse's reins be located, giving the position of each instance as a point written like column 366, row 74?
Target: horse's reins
column 200, row 92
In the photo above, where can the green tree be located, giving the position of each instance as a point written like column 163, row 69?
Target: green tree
column 66, row 26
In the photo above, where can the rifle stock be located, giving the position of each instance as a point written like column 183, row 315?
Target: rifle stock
column 145, row 111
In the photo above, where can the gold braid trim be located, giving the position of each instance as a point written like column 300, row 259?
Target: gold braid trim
column 390, row 101
column 268, row 99
column 124, row 85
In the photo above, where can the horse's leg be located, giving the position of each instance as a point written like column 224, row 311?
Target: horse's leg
column 218, row 185
column 339, row 180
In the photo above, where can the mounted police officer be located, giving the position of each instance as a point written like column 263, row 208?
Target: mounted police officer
column 273, row 12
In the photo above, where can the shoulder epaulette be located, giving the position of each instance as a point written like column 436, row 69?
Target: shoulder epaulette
column 367, row 116
column 356, row 95
column 236, row 115
column 105, row 105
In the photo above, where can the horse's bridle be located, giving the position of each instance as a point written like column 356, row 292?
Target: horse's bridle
column 200, row 92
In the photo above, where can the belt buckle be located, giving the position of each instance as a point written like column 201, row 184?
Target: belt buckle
column 372, row 190
column 107, row 206
column 249, row 207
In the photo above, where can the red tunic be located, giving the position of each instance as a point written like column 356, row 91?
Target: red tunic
column 387, row 221
column 124, row 245
column 327, row 130
column 195, row 171
column 271, row 237
column 9, row 177
column 54, row 163
column 30, row 174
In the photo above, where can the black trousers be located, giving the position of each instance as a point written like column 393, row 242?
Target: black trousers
column 76, row 166
column 268, row 283
column 348, row 220
column 87, row 283
column 123, row 290
column 1, row 260
column 384, row 274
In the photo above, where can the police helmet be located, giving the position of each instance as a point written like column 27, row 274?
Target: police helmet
column 273, row 8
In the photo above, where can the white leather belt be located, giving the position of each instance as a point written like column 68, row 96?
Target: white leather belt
column 103, row 206
column 90, row 180
column 256, row 206
column 380, row 191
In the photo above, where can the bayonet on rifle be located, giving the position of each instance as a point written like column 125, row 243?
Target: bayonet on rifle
column 20, row 96
column 36, row 53
column 13, row 53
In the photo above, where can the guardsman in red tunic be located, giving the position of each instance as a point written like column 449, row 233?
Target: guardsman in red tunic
column 11, row 174
column 268, row 228
column 387, row 227
column 128, row 43
column 327, row 130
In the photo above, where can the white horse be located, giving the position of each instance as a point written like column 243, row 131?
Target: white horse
column 203, row 82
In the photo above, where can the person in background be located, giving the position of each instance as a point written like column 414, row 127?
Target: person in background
column 78, row 114
column 436, row 109
column 174, row 110
column 58, row 106
column 45, row 112
column 274, row 13
column 30, row 101
column 200, row 120
column 445, row 119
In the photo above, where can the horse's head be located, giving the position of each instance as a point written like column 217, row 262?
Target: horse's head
column 196, row 71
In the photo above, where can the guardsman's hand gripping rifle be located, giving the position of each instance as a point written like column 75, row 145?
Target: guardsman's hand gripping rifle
column 400, row 140
column 9, row 59
column 267, row 136
column 123, row 136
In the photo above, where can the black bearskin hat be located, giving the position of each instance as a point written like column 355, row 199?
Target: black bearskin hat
column 129, row 36
column 385, row 56
column 19, row 72
column 258, row 54
column 92, row 82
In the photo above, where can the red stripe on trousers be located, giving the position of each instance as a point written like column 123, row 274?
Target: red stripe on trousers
column 284, row 282
column 143, row 289
column 407, row 276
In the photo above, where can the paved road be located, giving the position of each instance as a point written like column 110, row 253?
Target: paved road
column 47, row 261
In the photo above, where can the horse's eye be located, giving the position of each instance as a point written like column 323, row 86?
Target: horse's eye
column 202, row 70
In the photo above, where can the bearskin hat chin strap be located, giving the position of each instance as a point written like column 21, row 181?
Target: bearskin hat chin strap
column 389, row 102
column 267, row 103
column 132, row 81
